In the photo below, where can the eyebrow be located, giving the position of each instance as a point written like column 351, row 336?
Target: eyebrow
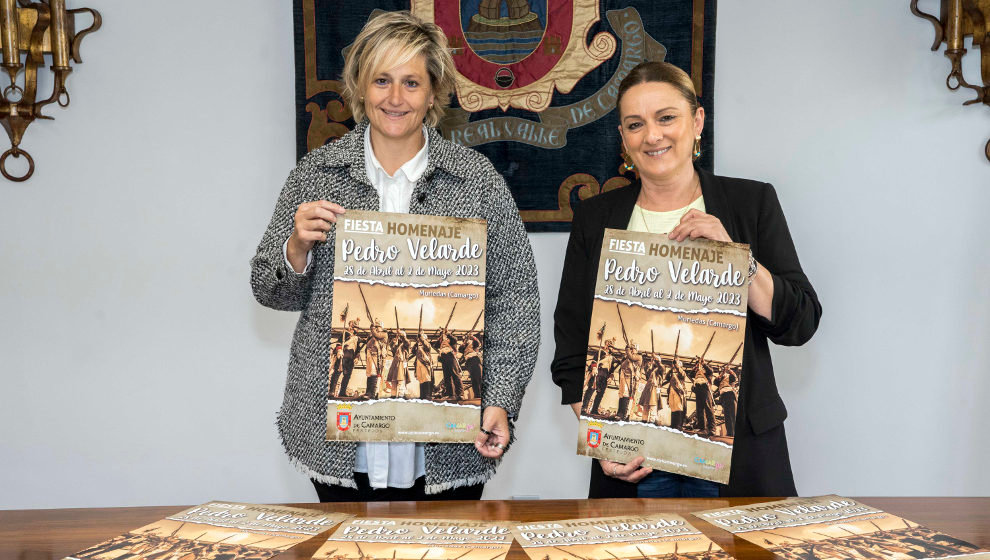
column 407, row 76
column 655, row 113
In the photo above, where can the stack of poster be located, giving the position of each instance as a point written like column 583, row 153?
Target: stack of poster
column 833, row 527
column 217, row 530
column 665, row 353
column 417, row 539
column 408, row 328
column 648, row 537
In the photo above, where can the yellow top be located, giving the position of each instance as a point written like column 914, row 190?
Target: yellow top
column 660, row 222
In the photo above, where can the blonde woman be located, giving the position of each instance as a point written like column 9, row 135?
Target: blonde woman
column 398, row 77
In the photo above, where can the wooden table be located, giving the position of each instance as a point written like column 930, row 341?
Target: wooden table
column 54, row 533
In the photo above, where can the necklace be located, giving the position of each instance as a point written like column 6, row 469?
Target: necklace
column 683, row 210
column 642, row 216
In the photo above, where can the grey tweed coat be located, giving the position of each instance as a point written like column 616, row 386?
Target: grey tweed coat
column 458, row 182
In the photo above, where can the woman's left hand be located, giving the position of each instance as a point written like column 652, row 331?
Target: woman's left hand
column 696, row 224
column 494, row 434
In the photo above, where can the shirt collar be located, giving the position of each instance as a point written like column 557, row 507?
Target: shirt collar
column 412, row 169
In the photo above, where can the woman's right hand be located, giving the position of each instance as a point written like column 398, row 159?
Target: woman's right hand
column 629, row 472
column 311, row 223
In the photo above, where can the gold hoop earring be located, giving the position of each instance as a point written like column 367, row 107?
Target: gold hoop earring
column 697, row 147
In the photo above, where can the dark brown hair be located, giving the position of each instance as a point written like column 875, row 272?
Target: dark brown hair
column 664, row 73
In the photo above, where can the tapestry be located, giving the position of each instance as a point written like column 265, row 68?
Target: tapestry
column 536, row 83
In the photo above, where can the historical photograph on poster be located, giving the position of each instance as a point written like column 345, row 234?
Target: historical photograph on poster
column 665, row 353
column 408, row 332
column 217, row 530
column 648, row 537
column 836, row 528
column 417, row 539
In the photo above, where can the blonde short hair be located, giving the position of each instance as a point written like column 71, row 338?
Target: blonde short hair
column 392, row 39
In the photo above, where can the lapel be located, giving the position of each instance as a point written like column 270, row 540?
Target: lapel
column 716, row 204
column 619, row 214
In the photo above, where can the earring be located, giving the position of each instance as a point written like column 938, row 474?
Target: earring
column 697, row 147
column 627, row 163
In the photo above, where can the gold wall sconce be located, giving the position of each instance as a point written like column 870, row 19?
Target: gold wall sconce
column 28, row 31
column 959, row 19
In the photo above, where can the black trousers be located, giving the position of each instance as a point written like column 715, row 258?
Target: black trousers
column 347, row 365
column 623, row 412
column 704, row 415
column 426, row 390
column 728, row 402
column 365, row 493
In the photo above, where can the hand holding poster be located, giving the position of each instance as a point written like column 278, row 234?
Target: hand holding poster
column 648, row 537
column 408, row 328
column 833, row 527
column 665, row 353
column 417, row 539
column 218, row 529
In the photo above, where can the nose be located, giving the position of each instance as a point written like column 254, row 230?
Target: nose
column 395, row 94
column 653, row 132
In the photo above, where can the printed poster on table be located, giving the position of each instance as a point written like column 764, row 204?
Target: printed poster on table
column 408, row 330
column 652, row 537
column 834, row 528
column 217, row 530
column 665, row 353
column 417, row 539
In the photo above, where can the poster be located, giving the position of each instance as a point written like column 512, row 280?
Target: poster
column 408, row 332
column 217, row 530
column 665, row 353
column 648, row 537
column 417, row 539
column 833, row 527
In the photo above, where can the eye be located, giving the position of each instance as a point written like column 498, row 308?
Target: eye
column 381, row 81
column 667, row 119
column 633, row 126
column 412, row 83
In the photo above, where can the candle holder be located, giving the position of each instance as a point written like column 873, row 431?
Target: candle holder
column 957, row 20
column 28, row 31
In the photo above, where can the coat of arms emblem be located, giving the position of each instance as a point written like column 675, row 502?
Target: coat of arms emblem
column 594, row 437
column 516, row 53
column 343, row 420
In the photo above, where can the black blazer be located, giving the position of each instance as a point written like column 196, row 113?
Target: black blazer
column 751, row 214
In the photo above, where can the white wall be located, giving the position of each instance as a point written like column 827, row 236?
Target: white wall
column 137, row 368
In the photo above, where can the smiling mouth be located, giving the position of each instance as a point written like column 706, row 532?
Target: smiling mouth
column 395, row 114
column 659, row 152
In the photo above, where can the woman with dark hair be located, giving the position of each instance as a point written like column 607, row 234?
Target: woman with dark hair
column 398, row 77
column 660, row 123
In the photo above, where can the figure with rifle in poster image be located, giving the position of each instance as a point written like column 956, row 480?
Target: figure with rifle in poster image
column 599, row 372
column 629, row 368
column 727, row 384
column 652, row 373
column 451, row 387
column 350, row 347
column 398, row 371
column 423, row 359
column 374, row 352
column 704, row 403
column 676, row 377
column 471, row 355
